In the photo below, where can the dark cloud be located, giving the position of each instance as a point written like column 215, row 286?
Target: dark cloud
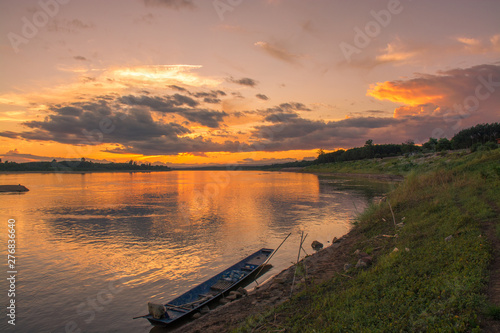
column 173, row 86
column 173, row 4
column 166, row 104
column 211, row 94
column 281, row 117
column 237, row 94
column 22, row 158
column 168, row 146
column 211, row 100
column 69, row 111
column 246, row 81
column 91, row 127
column 262, row 97
column 181, row 105
column 80, row 58
column 207, row 118
column 289, row 132
column 291, row 107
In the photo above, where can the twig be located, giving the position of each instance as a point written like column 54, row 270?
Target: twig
column 302, row 239
column 393, row 218
column 269, row 259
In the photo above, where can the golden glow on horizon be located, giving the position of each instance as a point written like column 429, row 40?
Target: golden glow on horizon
column 164, row 74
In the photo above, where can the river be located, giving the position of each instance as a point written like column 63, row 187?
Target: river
column 93, row 248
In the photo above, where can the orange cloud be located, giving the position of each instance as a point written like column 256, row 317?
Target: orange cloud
column 413, row 93
column 461, row 97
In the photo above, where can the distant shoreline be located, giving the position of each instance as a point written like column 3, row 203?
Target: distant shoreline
column 83, row 172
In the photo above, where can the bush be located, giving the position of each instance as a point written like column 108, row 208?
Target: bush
column 491, row 145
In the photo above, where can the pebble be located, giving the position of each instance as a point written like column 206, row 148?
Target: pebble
column 242, row 291
column 224, row 300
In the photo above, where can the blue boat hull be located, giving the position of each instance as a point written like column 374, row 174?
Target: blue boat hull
column 191, row 302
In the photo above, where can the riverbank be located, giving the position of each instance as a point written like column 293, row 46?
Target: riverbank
column 424, row 259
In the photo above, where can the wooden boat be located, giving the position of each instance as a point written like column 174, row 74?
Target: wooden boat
column 192, row 301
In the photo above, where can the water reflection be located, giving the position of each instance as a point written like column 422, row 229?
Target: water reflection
column 160, row 232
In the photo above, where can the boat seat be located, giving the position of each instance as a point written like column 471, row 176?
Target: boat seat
column 248, row 267
column 221, row 285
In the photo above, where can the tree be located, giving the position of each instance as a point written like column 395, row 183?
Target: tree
column 431, row 144
column 443, row 144
column 408, row 147
column 369, row 142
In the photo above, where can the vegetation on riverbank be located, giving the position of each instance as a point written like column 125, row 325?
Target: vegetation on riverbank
column 437, row 278
column 78, row 166
column 401, row 165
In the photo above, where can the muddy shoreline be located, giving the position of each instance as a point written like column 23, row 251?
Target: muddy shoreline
column 320, row 267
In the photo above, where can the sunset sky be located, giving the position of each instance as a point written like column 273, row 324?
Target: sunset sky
column 187, row 82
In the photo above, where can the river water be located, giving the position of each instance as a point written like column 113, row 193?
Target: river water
column 93, row 248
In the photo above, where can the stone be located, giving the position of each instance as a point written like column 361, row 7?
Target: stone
column 347, row 267
column 407, row 249
column 196, row 315
column 224, row 300
column 156, row 310
column 232, row 297
column 242, row 291
column 316, row 245
column 357, row 252
column 279, row 280
column 235, row 293
column 205, row 309
column 361, row 264
column 395, row 249
column 367, row 259
column 449, row 238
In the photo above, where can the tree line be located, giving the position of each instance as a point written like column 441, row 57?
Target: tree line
column 80, row 165
column 481, row 135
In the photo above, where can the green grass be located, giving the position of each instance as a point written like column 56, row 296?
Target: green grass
column 437, row 285
column 394, row 165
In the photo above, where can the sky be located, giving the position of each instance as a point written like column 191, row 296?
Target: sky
column 189, row 82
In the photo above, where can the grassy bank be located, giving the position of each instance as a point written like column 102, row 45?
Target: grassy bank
column 400, row 165
column 433, row 282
